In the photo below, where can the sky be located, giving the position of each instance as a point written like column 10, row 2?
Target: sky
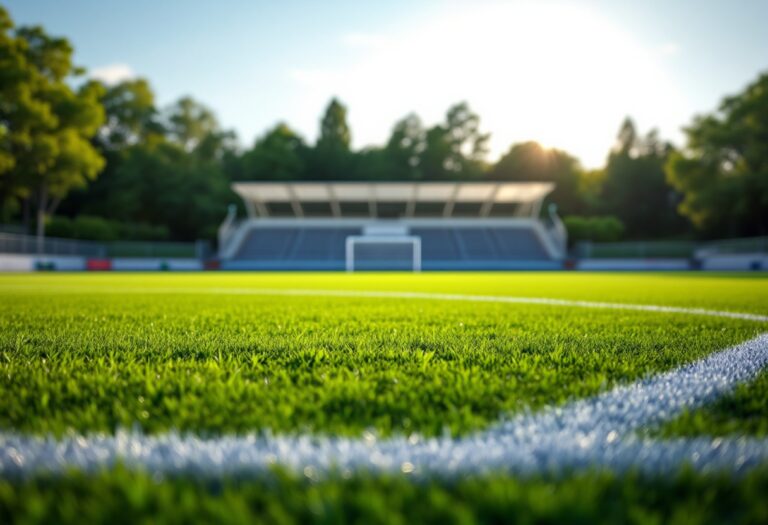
column 562, row 73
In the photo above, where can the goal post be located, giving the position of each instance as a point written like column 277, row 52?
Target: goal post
column 379, row 252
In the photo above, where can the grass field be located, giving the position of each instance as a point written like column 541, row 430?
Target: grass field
column 364, row 357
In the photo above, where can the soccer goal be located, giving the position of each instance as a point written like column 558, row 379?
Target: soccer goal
column 379, row 252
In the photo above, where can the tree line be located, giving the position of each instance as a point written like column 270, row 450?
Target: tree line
column 91, row 160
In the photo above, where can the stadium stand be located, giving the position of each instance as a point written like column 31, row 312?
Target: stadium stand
column 392, row 226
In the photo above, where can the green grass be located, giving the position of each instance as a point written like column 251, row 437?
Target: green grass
column 84, row 358
column 85, row 352
column 121, row 496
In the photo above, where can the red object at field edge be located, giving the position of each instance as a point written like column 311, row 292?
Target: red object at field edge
column 98, row 265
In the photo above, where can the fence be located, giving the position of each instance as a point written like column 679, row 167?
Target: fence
column 734, row 246
column 669, row 249
column 181, row 250
column 31, row 245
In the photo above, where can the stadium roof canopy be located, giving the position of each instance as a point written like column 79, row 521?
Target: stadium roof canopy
column 392, row 199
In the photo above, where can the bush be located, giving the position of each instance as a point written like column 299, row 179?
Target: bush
column 59, row 227
column 599, row 229
column 91, row 228
column 142, row 232
column 94, row 229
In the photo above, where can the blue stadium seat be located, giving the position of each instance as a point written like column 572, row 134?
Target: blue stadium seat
column 266, row 244
column 442, row 247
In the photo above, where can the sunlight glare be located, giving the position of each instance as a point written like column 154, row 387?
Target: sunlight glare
column 563, row 76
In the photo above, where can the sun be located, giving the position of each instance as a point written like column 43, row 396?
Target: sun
column 564, row 76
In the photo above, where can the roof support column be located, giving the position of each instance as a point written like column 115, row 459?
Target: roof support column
column 333, row 201
column 410, row 206
column 262, row 208
column 485, row 209
column 448, row 208
column 298, row 211
column 250, row 209
column 372, row 201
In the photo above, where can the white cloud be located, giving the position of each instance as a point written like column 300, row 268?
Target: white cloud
column 113, row 73
column 562, row 75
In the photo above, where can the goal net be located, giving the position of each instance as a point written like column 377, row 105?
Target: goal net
column 378, row 252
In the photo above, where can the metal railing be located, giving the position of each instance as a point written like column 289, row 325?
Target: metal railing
column 151, row 249
column 734, row 246
column 31, row 245
column 635, row 249
column 669, row 249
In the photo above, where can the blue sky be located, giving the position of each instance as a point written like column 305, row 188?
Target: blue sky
column 562, row 73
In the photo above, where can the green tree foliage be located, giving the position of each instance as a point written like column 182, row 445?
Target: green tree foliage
column 331, row 158
column 635, row 188
column 165, row 168
column 529, row 161
column 405, row 148
column 166, row 185
column 376, row 164
column 131, row 120
column 600, row 229
column 455, row 149
column 131, row 116
column 280, row 154
column 188, row 123
column 45, row 124
column 193, row 126
column 723, row 170
column 400, row 159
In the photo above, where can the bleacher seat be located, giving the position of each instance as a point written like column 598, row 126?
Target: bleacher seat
column 442, row 247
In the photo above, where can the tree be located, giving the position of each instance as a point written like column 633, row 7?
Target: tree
column 529, row 161
column 331, row 157
column 278, row 155
column 131, row 115
column 375, row 164
column 468, row 145
column 723, row 170
column 162, row 184
column 405, row 147
column 456, row 148
column 634, row 185
column 46, row 124
column 188, row 123
column 194, row 127
column 131, row 120
column 165, row 168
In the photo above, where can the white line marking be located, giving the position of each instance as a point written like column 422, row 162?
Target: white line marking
column 373, row 294
column 586, row 434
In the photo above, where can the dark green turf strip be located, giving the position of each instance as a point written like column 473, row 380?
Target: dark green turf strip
column 120, row 496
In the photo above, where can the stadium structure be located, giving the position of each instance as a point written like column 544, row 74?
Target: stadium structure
column 392, row 226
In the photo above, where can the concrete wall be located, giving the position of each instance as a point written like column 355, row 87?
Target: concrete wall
column 747, row 261
column 16, row 263
column 29, row 263
column 633, row 264
column 738, row 262
column 154, row 264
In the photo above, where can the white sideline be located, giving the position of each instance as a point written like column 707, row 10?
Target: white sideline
column 594, row 433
